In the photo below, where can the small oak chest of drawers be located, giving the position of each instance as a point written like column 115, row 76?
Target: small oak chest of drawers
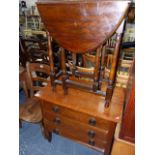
column 81, row 116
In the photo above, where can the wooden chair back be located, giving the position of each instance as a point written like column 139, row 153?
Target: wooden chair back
column 88, row 58
column 38, row 76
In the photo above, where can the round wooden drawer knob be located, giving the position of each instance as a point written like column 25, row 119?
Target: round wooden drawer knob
column 56, row 109
column 91, row 133
column 92, row 121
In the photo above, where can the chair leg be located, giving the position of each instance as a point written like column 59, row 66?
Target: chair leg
column 64, row 78
column 96, row 72
column 50, row 54
column 52, row 81
column 63, row 66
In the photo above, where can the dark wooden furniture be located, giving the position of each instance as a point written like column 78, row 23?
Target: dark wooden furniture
column 127, row 131
column 124, row 139
column 30, row 110
column 23, row 80
column 131, row 13
column 34, row 49
column 81, row 116
column 23, row 55
column 83, row 26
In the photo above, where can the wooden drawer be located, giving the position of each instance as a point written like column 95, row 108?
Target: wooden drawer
column 85, row 130
column 76, row 115
column 71, row 133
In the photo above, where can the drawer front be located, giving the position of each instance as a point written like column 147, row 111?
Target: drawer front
column 71, row 133
column 85, row 130
column 78, row 116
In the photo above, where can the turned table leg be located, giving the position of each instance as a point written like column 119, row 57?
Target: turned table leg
column 50, row 53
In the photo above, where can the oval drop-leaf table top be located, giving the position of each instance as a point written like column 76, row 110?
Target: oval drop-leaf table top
column 82, row 25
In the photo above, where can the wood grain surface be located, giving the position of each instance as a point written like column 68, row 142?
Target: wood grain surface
column 81, row 26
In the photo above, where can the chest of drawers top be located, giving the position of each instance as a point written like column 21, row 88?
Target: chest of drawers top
column 84, row 102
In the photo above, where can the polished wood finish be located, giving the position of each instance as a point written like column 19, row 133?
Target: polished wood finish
column 81, row 116
column 82, row 26
column 96, row 69
column 23, row 55
column 81, row 135
column 131, row 13
column 51, row 61
column 127, row 131
column 58, row 120
column 79, row 27
column 33, row 50
column 80, row 72
column 121, row 146
column 90, row 104
column 112, row 75
column 30, row 110
column 34, row 68
column 78, row 116
column 88, row 57
column 102, row 67
column 23, row 80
